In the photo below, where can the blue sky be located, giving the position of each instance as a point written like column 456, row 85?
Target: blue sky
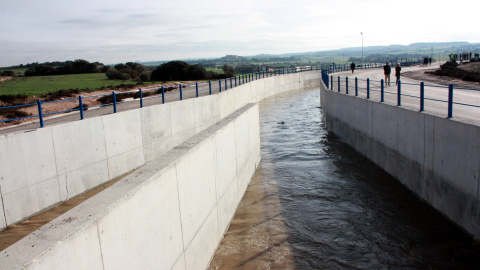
column 143, row 30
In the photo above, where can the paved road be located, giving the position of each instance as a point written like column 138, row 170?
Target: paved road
column 410, row 90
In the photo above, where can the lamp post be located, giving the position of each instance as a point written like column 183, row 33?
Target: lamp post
column 363, row 62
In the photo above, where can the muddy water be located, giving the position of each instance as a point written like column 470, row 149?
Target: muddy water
column 315, row 203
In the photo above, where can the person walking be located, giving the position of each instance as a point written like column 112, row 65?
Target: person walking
column 398, row 68
column 386, row 71
column 352, row 66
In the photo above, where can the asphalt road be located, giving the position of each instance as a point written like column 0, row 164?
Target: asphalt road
column 436, row 95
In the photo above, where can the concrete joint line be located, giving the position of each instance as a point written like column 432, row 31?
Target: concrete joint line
column 56, row 170
column 3, row 206
column 100, row 244
column 66, row 185
column 180, row 211
column 106, row 148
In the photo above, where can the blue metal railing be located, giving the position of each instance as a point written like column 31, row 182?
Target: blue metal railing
column 421, row 96
column 333, row 68
column 161, row 91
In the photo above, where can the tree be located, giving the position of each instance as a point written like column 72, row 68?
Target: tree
column 127, row 71
column 8, row 73
column 196, row 72
column 41, row 70
column 229, row 71
column 171, row 71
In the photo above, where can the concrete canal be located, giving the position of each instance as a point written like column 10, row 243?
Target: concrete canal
column 316, row 203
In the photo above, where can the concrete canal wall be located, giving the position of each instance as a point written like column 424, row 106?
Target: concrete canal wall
column 436, row 158
column 169, row 214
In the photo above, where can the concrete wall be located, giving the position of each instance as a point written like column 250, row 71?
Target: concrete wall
column 42, row 168
column 437, row 158
column 169, row 214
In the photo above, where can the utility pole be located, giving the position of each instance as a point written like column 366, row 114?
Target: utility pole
column 363, row 62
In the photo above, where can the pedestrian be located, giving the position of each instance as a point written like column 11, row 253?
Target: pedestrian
column 352, row 66
column 386, row 71
column 398, row 68
column 430, row 61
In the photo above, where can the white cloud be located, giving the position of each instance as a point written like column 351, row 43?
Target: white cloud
column 118, row 31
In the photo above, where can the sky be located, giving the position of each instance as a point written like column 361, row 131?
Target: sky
column 117, row 31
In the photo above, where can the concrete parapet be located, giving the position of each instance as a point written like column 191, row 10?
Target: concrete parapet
column 169, row 214
column 436, row 158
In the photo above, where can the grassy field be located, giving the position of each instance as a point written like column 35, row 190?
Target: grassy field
column 38, row 85
column 219, row 71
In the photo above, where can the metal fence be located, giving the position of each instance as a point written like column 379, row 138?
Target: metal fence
column 142, row 95
column 368, row 88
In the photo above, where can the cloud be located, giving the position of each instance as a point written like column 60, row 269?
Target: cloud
column 115, row 31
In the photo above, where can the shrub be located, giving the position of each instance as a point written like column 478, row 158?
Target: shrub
column 56, row 95
column 13, row 99
column 12, row 113
column 144, row 76
column 8, row 73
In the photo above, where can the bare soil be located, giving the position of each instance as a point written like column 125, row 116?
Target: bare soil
column 14, row 233
column 4, row 78
column 425, row 76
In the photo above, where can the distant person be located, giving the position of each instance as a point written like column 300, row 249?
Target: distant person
column 352, row 66
column 386, row 71
column 430, row 61
column 398, row 68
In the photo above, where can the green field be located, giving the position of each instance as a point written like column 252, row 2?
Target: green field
column 39, row 85
column 219, row 71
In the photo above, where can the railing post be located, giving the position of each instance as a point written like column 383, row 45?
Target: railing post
column 196, row 88
column 356, row 87
column 114, row 96
column 80, row 104
column 399, row 93
column 235, row 81
column 163, row 95
column 220, row 85
column 381, row 91
column 339, row 84
column 231, row 83
column 181, row 95
column 40, row 114
column 450, row 100
column 422, row 96
column 346, row 85
column 210, row 87
column 141, row 97
column 368, row 88
column 331, row 85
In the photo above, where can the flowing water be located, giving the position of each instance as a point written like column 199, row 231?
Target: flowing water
column 316, row 203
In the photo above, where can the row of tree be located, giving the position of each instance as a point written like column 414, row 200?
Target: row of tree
column 170, row 71
column 127, row 71
column 180, row 70
column 68, row 67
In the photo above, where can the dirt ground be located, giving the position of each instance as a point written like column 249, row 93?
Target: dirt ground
column 424, row 76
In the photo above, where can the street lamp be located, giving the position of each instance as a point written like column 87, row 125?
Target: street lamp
column 363, row 62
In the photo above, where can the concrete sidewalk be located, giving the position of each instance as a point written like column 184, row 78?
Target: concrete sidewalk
column 436, row 95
